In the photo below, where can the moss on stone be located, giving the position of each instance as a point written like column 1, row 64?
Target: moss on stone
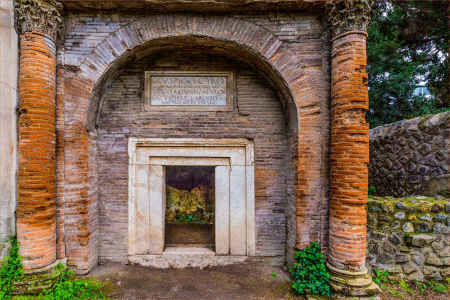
column 382, row 212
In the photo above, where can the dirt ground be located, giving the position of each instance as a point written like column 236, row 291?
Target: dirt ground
column 220, row 283
column 237, row 282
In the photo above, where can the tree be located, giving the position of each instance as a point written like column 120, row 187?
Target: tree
column 407, row 44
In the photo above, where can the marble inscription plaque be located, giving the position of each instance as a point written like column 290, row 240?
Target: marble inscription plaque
column 188, row 90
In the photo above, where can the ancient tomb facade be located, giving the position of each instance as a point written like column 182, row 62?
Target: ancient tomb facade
column 120, row 100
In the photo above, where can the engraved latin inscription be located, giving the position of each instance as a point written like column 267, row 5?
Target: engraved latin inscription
column 189, row 90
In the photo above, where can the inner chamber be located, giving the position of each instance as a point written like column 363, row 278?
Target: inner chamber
column 190, row 207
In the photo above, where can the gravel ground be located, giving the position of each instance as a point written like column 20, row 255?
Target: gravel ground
column 236, row 282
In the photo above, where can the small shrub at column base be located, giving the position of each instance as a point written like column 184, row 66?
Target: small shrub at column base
column 11, row 270
column 309, row 274
column 62, row 284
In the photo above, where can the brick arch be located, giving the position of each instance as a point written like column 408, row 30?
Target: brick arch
column 258, row 45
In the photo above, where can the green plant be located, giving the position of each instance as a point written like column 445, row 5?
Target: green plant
column 422, row 287
column 372, row 190
column 438, row 287
column 380, row 278
column 393, row 292
column 405, row 286
column 309, row 274
column 11, row 270
column 67, row 286
column 273, row 275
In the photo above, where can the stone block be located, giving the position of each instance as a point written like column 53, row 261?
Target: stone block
column 401, row 205
column 432, row 273
column 426, row 218
column 400, row 215
column 433, row 259
column 408, row 227
column 441, row 218
column 396, row 238
column 402, row 258
column 422, row 227
column 441, row 228
column 422, row 240
column 418, row 258
column 409, row 268
column 444, row 252
column 438, row 245
column 436, row 208
column 416, row 276
column 446, row 261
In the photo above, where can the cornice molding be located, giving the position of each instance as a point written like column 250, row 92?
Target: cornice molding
column 348, row 15
column 43, row 16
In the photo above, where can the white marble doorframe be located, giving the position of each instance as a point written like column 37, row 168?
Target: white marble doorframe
column 233, row 160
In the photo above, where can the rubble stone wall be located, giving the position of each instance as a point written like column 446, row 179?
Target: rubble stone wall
column 410, row 157
column 409, row 237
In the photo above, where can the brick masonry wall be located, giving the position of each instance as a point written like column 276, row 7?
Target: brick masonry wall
column 36, row 206
column 260, row 118
column 291, row 44
column 409, row 237
column 80, row 179
column 411, row 157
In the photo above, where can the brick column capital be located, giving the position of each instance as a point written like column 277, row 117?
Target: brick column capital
column 43, row 16
column 348, row 15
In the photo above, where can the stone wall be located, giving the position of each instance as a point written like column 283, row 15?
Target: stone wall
column 8, row 102
column 409, row 237
column 411, row 157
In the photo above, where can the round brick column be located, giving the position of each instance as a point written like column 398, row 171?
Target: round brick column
column 36, row 205
column 349, row 152
column 349, row 149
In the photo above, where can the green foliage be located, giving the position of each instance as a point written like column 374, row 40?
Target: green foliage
column 372, row 190
column 397, row 287
column 67, row 286
column 421, row 286
column 11, row 270
column 309, row 274
column 381, row 278
column 395, row 293
column 407, row 44
column 187, row 206
column 437, row 287
column 405, row 286
column 64, row 285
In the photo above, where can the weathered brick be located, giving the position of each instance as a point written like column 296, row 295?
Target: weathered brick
column 349, row 152
column 36, row 205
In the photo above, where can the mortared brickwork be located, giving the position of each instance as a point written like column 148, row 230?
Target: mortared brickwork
column 36, row 205
column 311, row 152
column 349, row 152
